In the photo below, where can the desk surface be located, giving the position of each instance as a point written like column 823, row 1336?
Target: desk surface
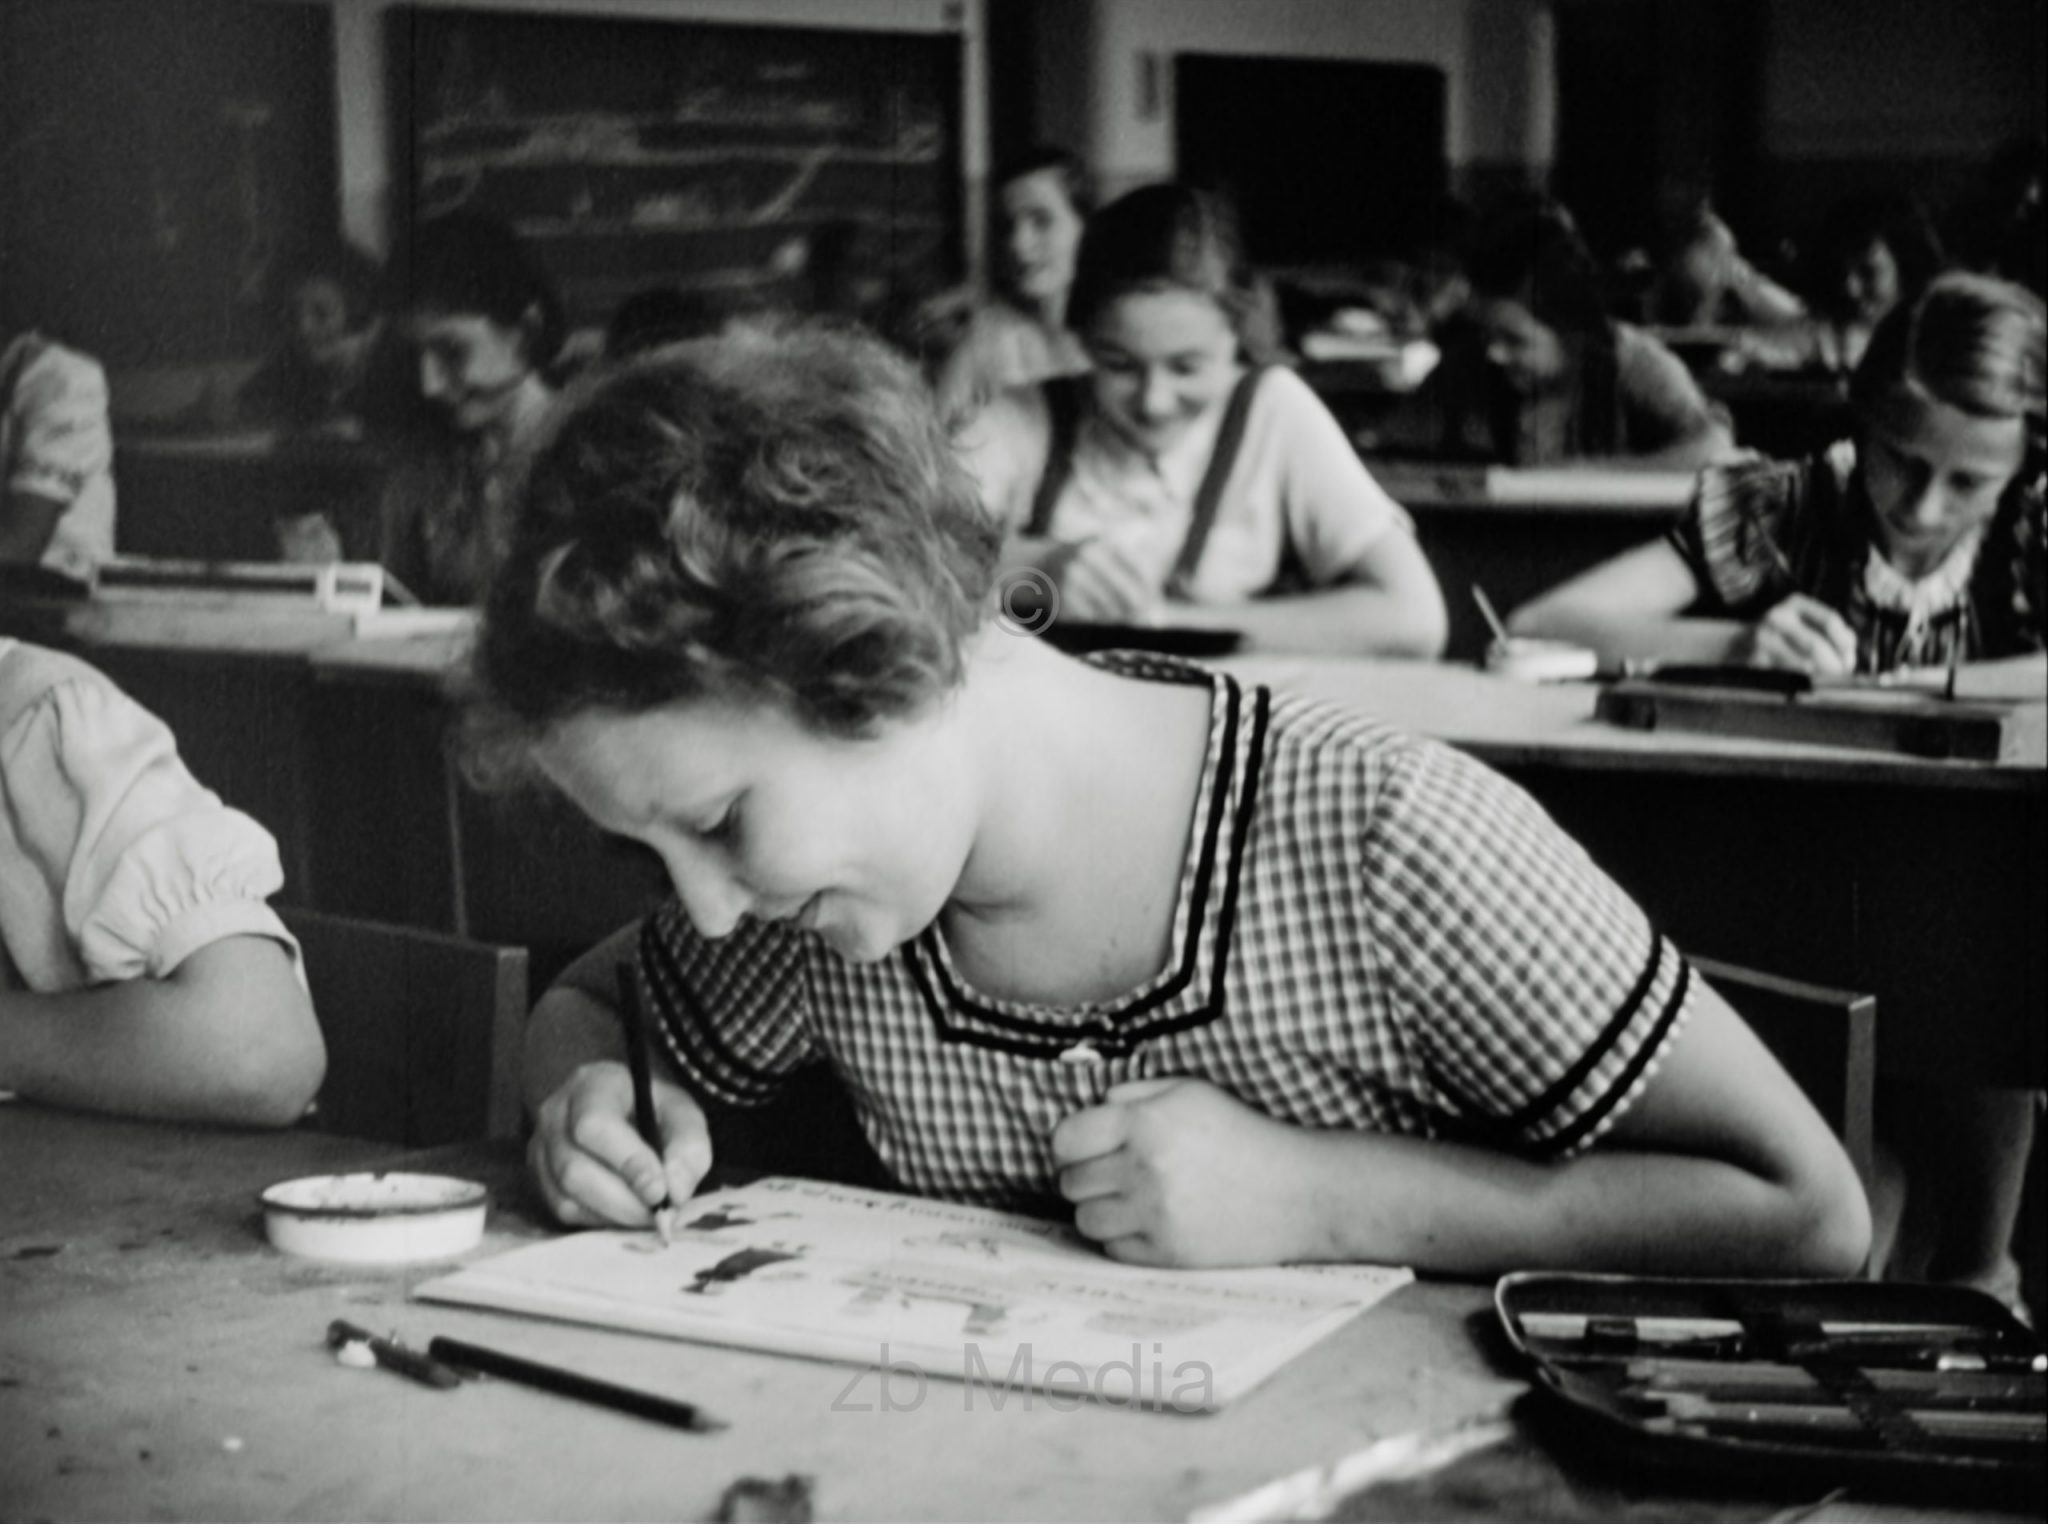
column 1511, row 723
column 159, row 1360
column 1655, row 496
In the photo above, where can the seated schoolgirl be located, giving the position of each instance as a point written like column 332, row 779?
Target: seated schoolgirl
column 140, row 969
column 1019, row 335
column 1871, row 253
column 1180, row 481
column 1542, row 375
column 1229, row 976
column 1921, row 535
column 1922, row 539
column 485, row 321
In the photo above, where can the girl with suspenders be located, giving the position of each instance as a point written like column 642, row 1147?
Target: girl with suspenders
column 1180, row 482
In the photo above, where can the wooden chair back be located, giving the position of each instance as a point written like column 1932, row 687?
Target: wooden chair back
column 1825, row 1038
column 423, row 1030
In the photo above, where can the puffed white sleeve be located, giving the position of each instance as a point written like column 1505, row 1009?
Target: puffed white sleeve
column 146, row 865
column 1336, row 511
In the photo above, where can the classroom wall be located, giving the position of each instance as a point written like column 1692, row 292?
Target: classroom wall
column 1106, row 70
column 1868, row 94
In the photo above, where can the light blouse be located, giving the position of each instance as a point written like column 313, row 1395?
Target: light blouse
column 114, row 862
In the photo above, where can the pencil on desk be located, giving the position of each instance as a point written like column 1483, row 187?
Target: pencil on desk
column 568, row 1383
column 643, row 1086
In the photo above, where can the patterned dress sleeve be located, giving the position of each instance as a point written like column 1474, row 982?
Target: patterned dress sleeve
column 732, row 1014
column 1538, row 997
column 1735, row 531
column 142, row 865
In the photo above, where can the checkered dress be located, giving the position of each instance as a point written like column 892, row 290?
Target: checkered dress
column 1373, row 932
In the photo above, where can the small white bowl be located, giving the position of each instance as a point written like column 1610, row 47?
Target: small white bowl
column 374, row 1219
column 1541, row 661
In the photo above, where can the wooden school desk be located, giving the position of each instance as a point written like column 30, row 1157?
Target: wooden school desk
column 1923, row 883
column 1518, row 533
column 159, row 1360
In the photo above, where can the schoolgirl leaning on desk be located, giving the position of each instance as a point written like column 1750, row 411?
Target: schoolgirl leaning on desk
column 1228, row 976
column 1181, row 481
column 1921, row 536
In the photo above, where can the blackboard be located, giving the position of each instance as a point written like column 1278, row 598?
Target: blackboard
column 718, row 159
column 154, row 157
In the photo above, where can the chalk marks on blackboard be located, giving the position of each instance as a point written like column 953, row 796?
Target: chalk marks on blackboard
column 713, row 158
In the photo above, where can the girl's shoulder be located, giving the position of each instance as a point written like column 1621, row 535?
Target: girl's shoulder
column 31, row 674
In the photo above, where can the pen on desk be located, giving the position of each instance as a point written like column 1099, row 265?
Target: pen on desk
column 567, row 1383
column 392, row 1355
column 643, row 1087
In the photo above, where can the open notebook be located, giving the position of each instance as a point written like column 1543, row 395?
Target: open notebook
column 1006, row 1302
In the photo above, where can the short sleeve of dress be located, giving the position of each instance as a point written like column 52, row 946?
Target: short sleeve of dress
column 1661, row 403
column 1536, row 994
column 1336, row 511
column 141, row 865
column 62, row 441
column 1734, row 533
column 732, row 1014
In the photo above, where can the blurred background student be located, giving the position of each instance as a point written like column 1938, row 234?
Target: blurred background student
column 141, row 970
column 484, row 321
column 1703, row 280
column 1019, row 335
column 1542, row 374
column 56, row 458
column 1181, row 471
column 1871, row 253
column 329, row 370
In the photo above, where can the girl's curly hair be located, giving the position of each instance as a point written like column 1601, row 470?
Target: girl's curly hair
column 771, row 515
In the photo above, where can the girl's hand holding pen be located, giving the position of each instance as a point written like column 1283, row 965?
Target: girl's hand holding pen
column 592, row 1166
column 1803, row 634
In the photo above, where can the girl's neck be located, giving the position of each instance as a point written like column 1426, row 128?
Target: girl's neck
column 1055, row 739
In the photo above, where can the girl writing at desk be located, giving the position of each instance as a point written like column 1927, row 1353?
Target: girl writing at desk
column 140, row 969
column 1231, row 977
column 1177, row 480
column 1921, row 539
column 1920, row 536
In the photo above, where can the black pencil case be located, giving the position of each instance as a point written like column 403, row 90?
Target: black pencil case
column 1887, row 1390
